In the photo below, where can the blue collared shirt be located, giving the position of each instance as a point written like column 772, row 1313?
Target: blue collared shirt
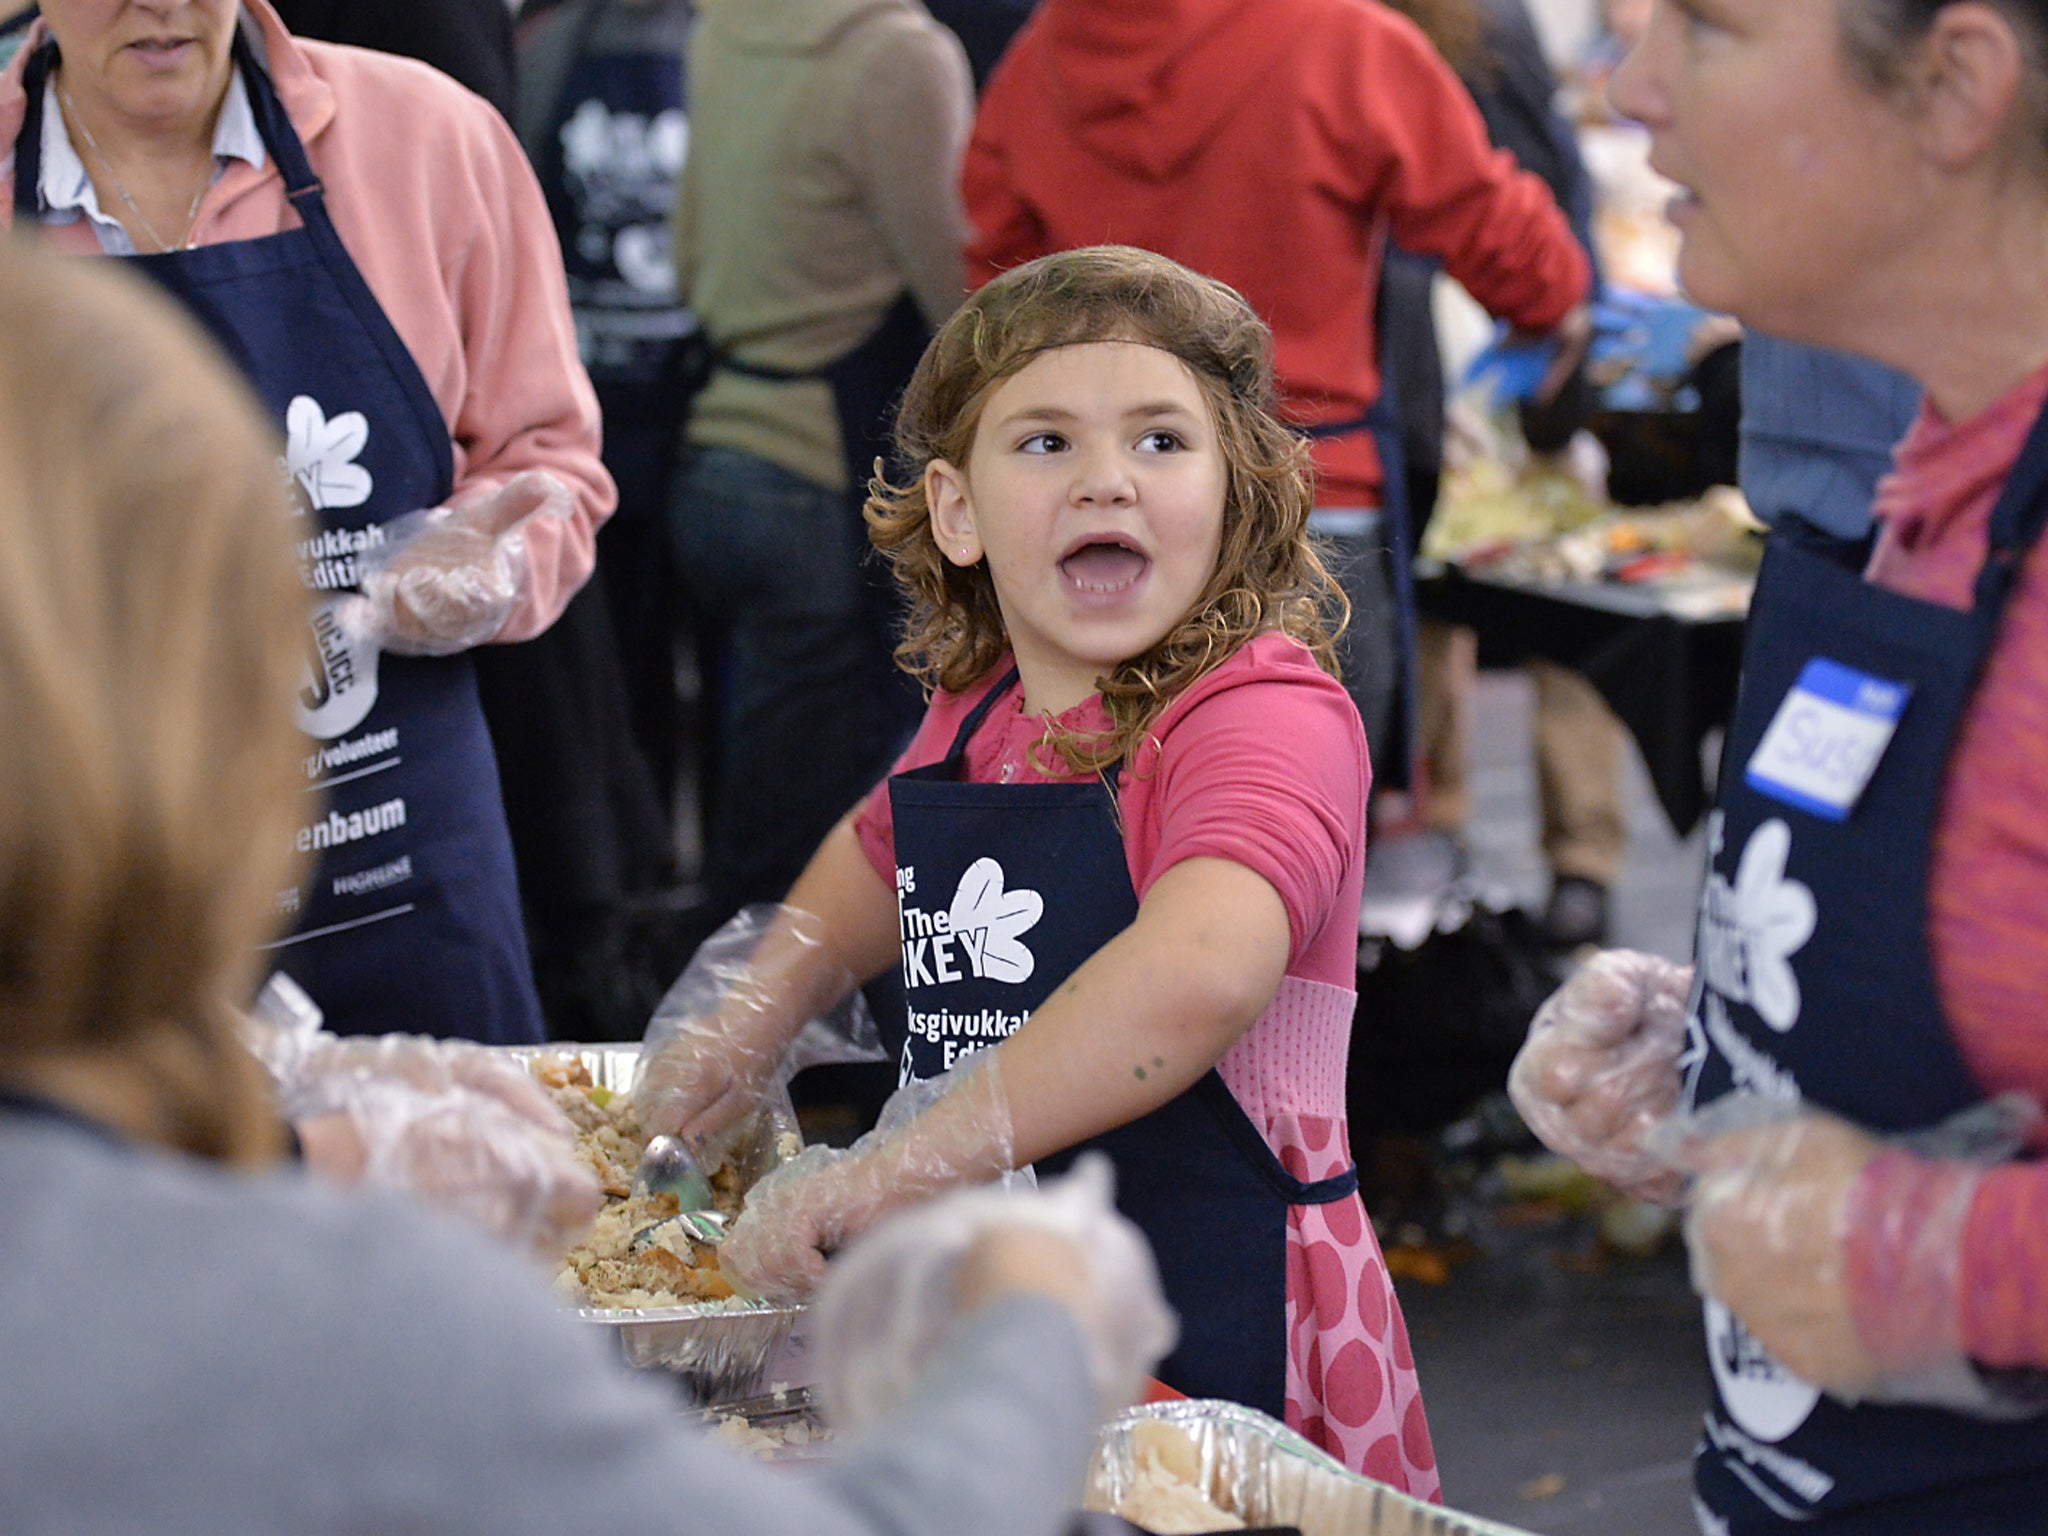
column 66, row 191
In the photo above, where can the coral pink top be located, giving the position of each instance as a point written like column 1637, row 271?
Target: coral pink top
column 435, row 202
column 1261, row 762
column 1988, row 885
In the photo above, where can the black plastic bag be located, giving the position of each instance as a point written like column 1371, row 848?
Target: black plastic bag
column 1437, row 1026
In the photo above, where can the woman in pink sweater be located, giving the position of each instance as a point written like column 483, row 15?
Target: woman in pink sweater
column 364, row 239
column 1872, row 961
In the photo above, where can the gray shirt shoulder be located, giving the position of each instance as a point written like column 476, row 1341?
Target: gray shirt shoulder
column 187, row 1349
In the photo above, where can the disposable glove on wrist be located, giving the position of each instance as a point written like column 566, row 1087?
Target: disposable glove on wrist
column 1840, row 1252
column 737, row 1025
column 446, row 579
column 931, row 1136
column 889, row 1304
column 465, row 1128
column 1600, row 1069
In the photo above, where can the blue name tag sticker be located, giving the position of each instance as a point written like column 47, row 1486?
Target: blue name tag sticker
column 1827, row 738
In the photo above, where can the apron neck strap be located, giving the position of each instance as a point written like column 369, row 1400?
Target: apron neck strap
column 28, row 147
column 2016, row 523
column 978, row 714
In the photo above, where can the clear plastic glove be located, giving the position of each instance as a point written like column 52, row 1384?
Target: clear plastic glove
column 737, row 1025
column 460, row 1126
column 1600, row 1069
column 931, row 1136
column 446, row 579
column 888, row 1305
column 1842, row 1253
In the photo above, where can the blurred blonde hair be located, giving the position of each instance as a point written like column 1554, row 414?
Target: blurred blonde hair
column 1268, row 575
column 152, row 628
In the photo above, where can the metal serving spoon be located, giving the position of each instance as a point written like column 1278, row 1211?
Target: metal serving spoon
column 669, row 1167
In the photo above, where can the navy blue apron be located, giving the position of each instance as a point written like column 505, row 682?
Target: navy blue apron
column 1847, row 1019
column 410, row 918
column 1003, row 890
column 608, row 165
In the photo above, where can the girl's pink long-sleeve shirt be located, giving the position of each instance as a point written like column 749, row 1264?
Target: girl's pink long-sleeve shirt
column 1261, row 761
column 1988, row 885
column 434, row 200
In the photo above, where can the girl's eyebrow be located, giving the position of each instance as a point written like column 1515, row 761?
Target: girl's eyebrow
column 1148, row 410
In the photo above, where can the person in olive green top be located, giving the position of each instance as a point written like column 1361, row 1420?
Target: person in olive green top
column 818, row 238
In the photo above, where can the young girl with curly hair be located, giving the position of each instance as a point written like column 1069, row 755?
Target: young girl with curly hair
column 1118, row 865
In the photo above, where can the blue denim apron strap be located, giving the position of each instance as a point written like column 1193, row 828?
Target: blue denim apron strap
column 1393, row 760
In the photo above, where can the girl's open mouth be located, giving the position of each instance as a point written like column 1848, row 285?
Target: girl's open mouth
column 1104, row 567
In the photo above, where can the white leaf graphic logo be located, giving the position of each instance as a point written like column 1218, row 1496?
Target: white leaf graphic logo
column 320, row 454
column 1777, row 917
column 982, row 905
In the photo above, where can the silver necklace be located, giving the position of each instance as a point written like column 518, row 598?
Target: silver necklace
column 120, row 189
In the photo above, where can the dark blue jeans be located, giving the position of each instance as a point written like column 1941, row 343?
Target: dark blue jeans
column 809, row 709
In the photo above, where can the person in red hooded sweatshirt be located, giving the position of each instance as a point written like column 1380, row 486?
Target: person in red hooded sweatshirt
column 1275, row 145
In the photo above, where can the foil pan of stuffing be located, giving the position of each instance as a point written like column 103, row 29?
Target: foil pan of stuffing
column 717, row 1349
column 1169, row 1461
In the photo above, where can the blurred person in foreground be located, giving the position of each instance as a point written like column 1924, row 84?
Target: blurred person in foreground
column 1837, row 1091
column 195, row 1336
column 397, row 300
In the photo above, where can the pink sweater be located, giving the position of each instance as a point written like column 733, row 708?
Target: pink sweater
column 1988, row 896
column 1261, row 762
column 434, row 200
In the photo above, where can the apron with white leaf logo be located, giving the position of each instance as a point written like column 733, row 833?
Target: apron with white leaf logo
column 410, row 918
column 1264, row 1250
column 1816, row 986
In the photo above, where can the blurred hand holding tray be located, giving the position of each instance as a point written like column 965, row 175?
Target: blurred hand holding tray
column 1268, row 1476
column 717, row 1350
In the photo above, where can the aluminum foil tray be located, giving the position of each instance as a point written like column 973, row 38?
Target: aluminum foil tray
column 780, row 1413
column 720, row 1350
column 1266, row 1474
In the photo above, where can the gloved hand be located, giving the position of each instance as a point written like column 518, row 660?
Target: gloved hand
column 1599, row 1069
column 460, row 1126
column 931, row 1136
column 1841, row 1253
column 888, row 1305
column 446, row 579
column 738, row 1024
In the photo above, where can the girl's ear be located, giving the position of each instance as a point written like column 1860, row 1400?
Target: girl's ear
column 1971, row 84
column 952, row 512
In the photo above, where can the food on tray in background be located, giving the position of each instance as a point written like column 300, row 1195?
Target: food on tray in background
column 1541, row 525
column 1167, row 1492
column 632, row 1258
column 1487, row 509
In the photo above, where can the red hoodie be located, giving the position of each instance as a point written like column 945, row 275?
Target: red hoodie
column 1271, row 144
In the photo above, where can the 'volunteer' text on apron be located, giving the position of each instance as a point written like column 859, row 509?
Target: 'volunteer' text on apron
column 410, row 919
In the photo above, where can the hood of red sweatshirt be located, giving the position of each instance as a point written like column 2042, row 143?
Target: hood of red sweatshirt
column 1144, row 84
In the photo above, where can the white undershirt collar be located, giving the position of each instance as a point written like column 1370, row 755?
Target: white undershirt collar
column 66, row 191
